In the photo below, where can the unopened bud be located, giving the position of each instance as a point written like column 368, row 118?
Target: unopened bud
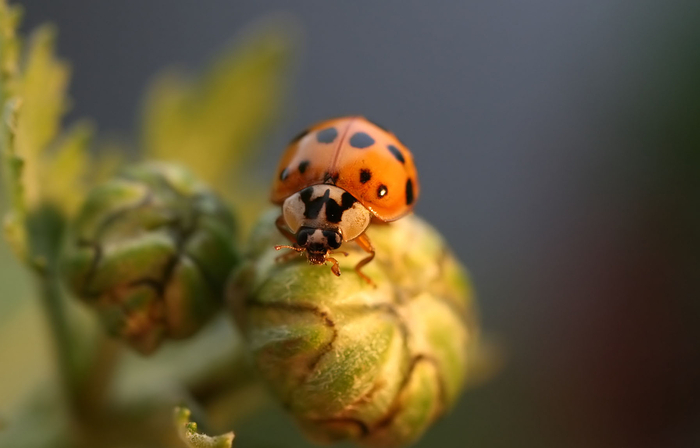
column 150, row 250
column 373, row 363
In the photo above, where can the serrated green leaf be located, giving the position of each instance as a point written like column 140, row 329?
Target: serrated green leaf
column 9, row 48
column 212, row 123
column 13, row 167
column 188, row 433
column 41, row 87
column 42, row 167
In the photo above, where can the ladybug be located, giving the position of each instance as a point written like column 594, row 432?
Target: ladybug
column 334, row 179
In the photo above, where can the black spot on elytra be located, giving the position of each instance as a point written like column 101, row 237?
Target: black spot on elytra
column 327, row 135
column 409, row 192
column 382, row 191
column 334, row 212
column 365, row 176
column 397, row 153
column 330, row 178
column 303, row 165
column 284, row 174
column 299, row 136
column 361, row 140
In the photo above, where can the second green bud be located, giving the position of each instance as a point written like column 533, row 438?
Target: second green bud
column 150, row 250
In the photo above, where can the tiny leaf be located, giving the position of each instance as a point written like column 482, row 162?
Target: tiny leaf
column 193, row 439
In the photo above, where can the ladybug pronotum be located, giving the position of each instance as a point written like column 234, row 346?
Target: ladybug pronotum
column 334, row 179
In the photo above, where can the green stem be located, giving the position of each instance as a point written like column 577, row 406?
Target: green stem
column 85, row 384
column 56, row 314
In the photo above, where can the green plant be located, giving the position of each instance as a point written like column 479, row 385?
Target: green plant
column 148, row 247
column 348, row 360
column 150, row 250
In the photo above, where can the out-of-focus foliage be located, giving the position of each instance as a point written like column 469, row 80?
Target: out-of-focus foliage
column 42, row 166
column 214, row 124
column 11, row 163
column 150, row 253
column 41, row 90
column 377, row 365
column 9, row 48
column 47, row 173
column 44, row 171
column 189, row 434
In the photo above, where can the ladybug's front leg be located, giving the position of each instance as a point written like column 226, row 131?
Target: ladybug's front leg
column 364, row 242
column 334, row 268
column 282, row 227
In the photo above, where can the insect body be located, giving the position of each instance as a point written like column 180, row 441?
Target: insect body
column 333, row 179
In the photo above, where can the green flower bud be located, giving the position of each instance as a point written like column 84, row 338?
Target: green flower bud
column 349, row 360
column 150, row 251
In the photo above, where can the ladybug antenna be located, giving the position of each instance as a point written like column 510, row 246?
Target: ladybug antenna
column 294, row 248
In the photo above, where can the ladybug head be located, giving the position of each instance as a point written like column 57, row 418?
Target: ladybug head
column 318, row 243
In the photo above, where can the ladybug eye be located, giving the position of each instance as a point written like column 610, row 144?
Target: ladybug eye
column 382, row 191
column 334, row 239
column 303, row 236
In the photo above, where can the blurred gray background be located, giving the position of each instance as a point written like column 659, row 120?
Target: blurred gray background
column 557, row 145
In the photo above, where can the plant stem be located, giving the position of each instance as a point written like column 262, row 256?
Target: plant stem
column 85, row 383
column 56, row 314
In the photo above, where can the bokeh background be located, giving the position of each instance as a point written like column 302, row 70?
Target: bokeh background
column 558, row 145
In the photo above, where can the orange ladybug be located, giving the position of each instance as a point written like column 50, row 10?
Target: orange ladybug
column 333, row 179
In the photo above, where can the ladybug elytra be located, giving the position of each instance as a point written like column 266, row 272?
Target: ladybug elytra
column 334, row 179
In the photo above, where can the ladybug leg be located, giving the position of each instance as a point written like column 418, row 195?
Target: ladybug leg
column 282, row 227
column 364, row 242
column 335, row 268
